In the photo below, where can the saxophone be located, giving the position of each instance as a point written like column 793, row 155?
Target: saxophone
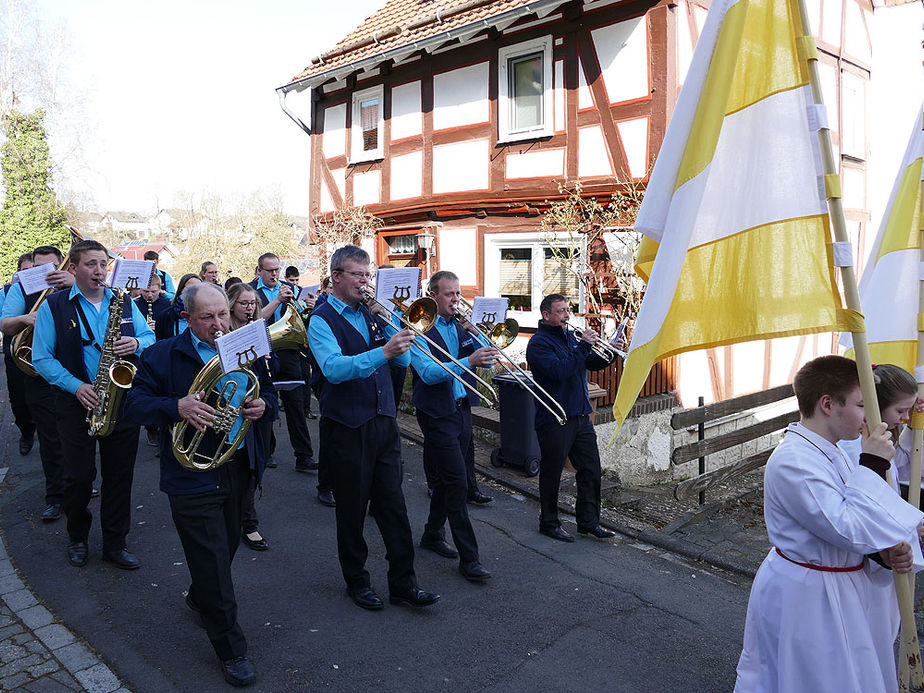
column 113, row 377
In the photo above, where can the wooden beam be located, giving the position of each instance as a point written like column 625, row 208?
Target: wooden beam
column 701, row 448
column 691, row 487
column 716, row 410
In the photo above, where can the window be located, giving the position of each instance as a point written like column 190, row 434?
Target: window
column 525, row 90
column 558, row 276
column 367, row 130
column 516, row 277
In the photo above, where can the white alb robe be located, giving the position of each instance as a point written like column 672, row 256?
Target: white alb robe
column 810, row 630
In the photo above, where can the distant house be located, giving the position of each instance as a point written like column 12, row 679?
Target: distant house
column 460, row 119
column 135, row 250
column 127, row 224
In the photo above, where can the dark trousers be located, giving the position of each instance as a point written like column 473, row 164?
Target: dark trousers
column 306, row 376
column 294, row 402
column 577, row 441
column 117, row 467
column 209, row 527
column 446, row 440
column 249, row 520
column 398, row 375
column 368, row 468
column 16, row 386
column 430, row 466
column 41, row 398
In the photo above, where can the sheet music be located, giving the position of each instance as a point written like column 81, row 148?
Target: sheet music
column 489, row 310
column 34, row 279
column 132, row 274
column 308, row 292
column 402, row 283
column 243, row 346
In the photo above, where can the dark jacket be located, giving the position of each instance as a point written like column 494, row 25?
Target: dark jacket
column 436, row 400
column 164, row 376
column 160, row 306
column 559, row 363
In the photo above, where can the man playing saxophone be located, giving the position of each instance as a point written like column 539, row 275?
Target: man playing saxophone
column 206, row 505
column 19, row 313
column 68, row 348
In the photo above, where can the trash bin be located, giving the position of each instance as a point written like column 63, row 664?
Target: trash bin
column 519, row 444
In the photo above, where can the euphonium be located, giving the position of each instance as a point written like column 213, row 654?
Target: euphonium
column 113, row 377
column 287, row 333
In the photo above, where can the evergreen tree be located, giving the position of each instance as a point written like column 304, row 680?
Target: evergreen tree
column 31, row 215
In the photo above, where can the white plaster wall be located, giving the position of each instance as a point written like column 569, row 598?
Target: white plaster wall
column 593, row 159
column 457, row 253
column 406, row 117
column 334, row 138
column 684, row 42
column 831, row 24
column 406, row 176
column 585, row 98
column 461, row 166
column 367, row 188
column 545, row 162
column 855, row 35
column 339, row 176
column 641, row 453
column 634, row 136
column 558, row 95
column 622, row 49
column 327, row 202
column 460, row 97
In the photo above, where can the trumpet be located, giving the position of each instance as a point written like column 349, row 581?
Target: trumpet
column 419, row 317
column 501, row 336
column 607, row 352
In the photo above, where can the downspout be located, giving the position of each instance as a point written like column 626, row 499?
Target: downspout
column 282, row 92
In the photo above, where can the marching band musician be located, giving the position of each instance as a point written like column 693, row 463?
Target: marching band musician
column 443, row 407
column 15, row 378
column 153, row 304
column 273, row 295
column 18, row 314
column 172, row 323
column 206, row 506
column 70, row 332
column 358, row 421
column 209, row 272
column 166, row 281
column 559, row 364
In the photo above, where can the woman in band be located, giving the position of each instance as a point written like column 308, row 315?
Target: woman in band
column 242, row 301
column 171, row 323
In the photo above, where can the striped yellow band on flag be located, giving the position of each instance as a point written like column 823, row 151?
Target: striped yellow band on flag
column 899, row 353
column 902, row 229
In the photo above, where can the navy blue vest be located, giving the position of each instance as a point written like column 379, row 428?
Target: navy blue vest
column 437, row 400
column 69, row 349
column 355, row 402
column 30, row 303
column 160, row 306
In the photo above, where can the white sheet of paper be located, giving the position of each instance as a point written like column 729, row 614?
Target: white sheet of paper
column 403, row 280
column 132, row 273
column 243, row 346
column 308, row 292
column 490, row 310
column 33, row 279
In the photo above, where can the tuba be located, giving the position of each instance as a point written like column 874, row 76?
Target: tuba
column 113, row 377
column 287, row 333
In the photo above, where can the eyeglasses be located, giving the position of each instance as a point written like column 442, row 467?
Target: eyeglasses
column 273, row 270
column 358, row 275
column 246, row 304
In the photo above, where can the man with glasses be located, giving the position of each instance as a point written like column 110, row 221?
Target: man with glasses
column 274, row 296
column 357, row 421
column 209, row 272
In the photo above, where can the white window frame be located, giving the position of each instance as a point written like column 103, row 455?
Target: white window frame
column 493, row 242
column 547, row 128
column 357, row 155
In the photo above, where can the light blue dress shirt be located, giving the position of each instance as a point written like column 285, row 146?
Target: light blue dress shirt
column 167, row 284
column 46, row 339
column 206, row 353
column 271, row 295
column 429, row 371
column 337, row 367
column 14, row 304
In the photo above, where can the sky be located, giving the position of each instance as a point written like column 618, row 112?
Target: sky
column 179, row 94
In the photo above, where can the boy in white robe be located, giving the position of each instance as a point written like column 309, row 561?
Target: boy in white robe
column 808, row 626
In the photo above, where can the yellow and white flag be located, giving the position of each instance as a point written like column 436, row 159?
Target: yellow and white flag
column 889, row 285
column 736, row 202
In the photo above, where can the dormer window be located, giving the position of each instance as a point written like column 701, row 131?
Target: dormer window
column 367, row 132
column 525, row 90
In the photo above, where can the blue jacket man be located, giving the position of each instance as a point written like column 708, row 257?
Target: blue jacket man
column 559, row 364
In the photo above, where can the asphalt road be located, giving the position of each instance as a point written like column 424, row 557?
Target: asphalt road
column 555, row 617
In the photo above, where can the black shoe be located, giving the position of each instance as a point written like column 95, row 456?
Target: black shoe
column 255, row 544
column 479, row 498
column 413, row 597
column 77, row 554
column 51, row 512
column 327, row 498
column 271, row 463
column 366, row 598
column 238, row 672
column 308, row 465
column 191, row 604
column 153, row 438
column 311, row 415
column 598, row 532
column 439, row 546
column 25, row 444
column 474, row 572
column 122, row 559
column 557, row 533
column 94, row 493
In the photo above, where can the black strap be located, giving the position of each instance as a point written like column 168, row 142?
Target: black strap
column 86, row 326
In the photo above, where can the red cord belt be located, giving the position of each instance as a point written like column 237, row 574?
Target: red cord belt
column 822, row 568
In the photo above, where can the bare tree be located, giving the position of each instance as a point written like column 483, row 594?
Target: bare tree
column 345, row 225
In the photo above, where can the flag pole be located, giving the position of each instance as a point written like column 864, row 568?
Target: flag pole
column 910, row 664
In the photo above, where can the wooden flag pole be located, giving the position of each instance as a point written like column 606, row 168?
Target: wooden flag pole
column 910, row 664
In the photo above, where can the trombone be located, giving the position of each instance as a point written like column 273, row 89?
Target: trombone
column 600, row 348
column 419, row 317
column 501, row 336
